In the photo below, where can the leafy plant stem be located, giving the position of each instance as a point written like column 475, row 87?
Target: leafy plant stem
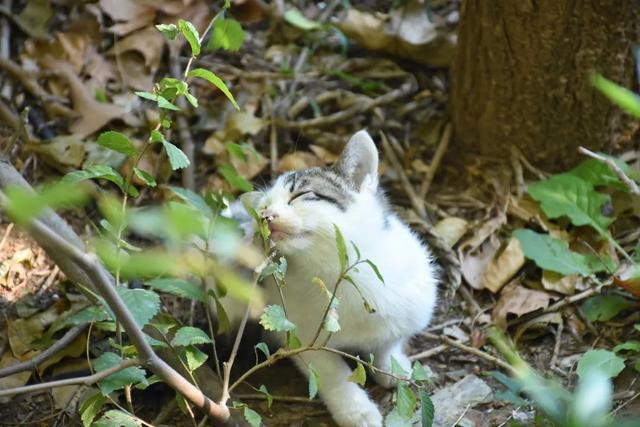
column 202, row 37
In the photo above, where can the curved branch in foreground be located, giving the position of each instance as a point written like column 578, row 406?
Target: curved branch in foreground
column 30, row 365
column 88, row 380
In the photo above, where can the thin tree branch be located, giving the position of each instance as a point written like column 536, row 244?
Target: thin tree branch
column 631, row 184
column 30, row 365
column 435, row 162
column 88, row 380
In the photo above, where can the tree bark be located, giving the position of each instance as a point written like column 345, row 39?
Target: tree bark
column 521, row 76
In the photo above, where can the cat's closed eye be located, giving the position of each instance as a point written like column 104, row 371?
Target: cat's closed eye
column 311, row 196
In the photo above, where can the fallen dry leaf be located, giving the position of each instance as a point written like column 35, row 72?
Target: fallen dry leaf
column 298, row 160
column 242, row 123
column 328, row 157
column 12, row 381
column 451, row 229
column 65, row 151
column 628, row 277
column 474, row 263
column 518, row 299
column 503, row 267
column 556, row 282
column 148, row 43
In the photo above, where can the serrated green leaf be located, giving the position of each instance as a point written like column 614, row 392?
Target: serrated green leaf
column 116, row 418
column 190, row 335
column 627, row 346
column 427, row 411
column 273, row 319
column 170, row 31
column 314, row 382
column 192, row 357
column 375, row 269
column 177, row 158
column 570, row 196
column 297, row 19
column 264, row 349
column 406, row 401
column 343, row 258
column 252, row 417
column 90, row 408
column 227, row 34
column 216, row 81
column 117, row 141
column 418, row 373
column 359, row 375
column 624, row 98
column 602, row 360
column 118, row 380
column 263, row 390
column 602, row 308
column 142, row 303
column 553, row 254
column 231, row 175
column 190, row 33
column 145, row 176
column 178, row 287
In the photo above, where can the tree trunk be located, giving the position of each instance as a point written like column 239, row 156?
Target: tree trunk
column 522, row 71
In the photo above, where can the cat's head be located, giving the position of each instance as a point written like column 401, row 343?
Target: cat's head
column 302, row 206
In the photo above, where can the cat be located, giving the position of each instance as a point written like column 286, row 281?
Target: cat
column 301, row 209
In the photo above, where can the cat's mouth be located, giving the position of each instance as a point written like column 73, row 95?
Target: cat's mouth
column 280, row 232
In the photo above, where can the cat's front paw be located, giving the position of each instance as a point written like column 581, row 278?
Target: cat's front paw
column 391, row 381
column 360, row 413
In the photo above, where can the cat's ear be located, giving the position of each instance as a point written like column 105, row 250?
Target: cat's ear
column 358, row 162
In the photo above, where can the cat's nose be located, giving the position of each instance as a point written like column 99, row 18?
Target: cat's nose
column 269, row 215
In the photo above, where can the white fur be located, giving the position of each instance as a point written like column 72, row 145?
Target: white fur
column 404, row 304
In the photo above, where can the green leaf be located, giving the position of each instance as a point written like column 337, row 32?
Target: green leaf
column 142, row 303
column 90, row 408
column 263, row 390
column 273, row 319
column 314, row 382
column 192, row 100
column 95, row 313
column 602, row 308
column 145, row 176
column 553, row 254
column 358, row 376
column 231, row 175
column 252, row 417
column 103, row 172
column 396, row 369
column 216, row 81
column 602, row 360
column 624, row 98
column 192, row 199
column 427, row 411
column 170, row 31
column 177, row 158
column 567, row 195
column 117, row 141
column 190, row 335
column 375, row 269
column 160, row 100
column 179, row 287
column 627, row 346
column 221, row 314
column 156, row 136
column 418, row 373
column 236, row 150
column 25, row 204
column 405, row 401
column 190, row 33
column 599, row 174
column 193, row 357
column 297, row 19
column 264, row 349
column 118, row 380
column 115, row 418
column 227, row 35
column 342, row 249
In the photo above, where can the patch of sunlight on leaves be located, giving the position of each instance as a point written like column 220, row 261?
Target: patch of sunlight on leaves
column 553, row 254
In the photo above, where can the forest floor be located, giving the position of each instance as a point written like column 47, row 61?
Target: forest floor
column 303, row 86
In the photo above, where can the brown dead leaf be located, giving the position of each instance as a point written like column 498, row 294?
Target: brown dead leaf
column 247, row 10
column 483, row 231
column 62, row 395
column 408, row 33
column 556, row 282
column 93, row 114
column 503, row 267
column 327, row 157
column 474, row 263
column 298, row 160
column 517, row 299
column 75, row 349
column 147, row 42
column 251, row 166
column 12, row 381
column 128, row 15
column 64, row 152
column 628, row 277
column 23, row 332
column 213, row 145
column 451, row 229
column 242, row 123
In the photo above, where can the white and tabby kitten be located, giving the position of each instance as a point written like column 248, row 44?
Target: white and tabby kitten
column 301, row 209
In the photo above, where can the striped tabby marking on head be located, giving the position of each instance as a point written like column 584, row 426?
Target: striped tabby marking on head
column 325, row 183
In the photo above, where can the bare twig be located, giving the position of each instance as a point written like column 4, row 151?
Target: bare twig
column 418, row 206
column 435, row 162
column 88, row 380
column 429, row 353
column 59, row 345
column 471, row 350
column 278, row 398
column 631, row 184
